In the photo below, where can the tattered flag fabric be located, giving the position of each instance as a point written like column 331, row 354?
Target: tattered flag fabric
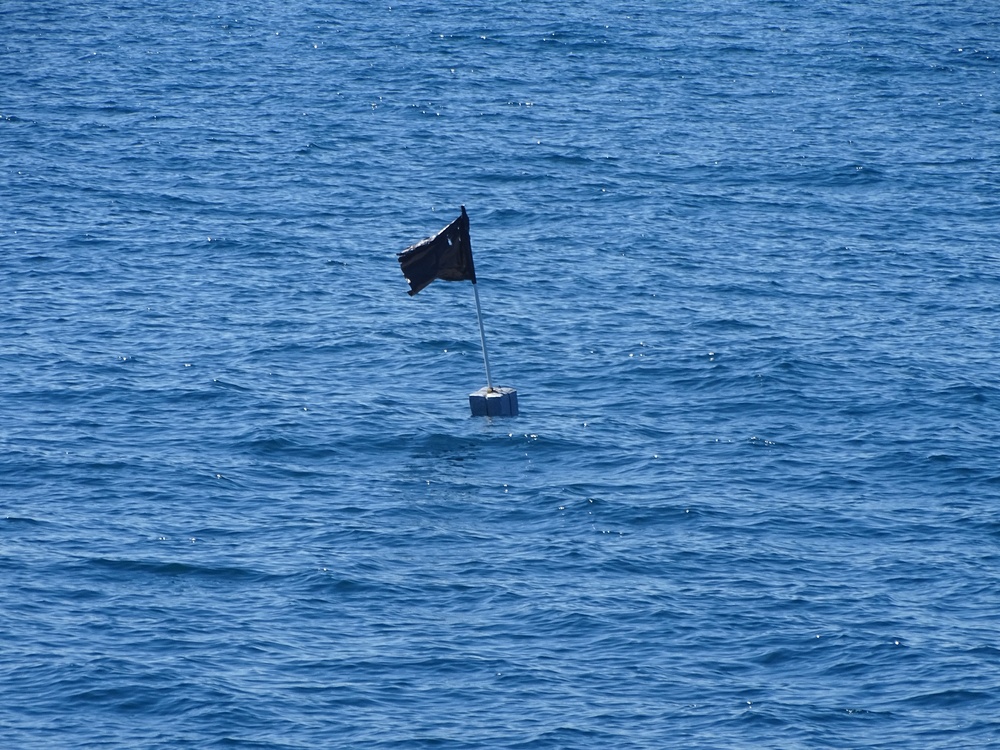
column 446, row 256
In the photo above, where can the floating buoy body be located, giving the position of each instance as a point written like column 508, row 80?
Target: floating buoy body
column 493, row 402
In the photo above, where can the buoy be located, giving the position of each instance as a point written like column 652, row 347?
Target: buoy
column 493, row 402
column 448, row 256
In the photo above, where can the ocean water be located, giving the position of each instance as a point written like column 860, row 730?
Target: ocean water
column 740, row 261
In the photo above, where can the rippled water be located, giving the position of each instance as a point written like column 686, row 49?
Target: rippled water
column 739, row 260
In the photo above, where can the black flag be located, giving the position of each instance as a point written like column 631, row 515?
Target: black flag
column 446, row 256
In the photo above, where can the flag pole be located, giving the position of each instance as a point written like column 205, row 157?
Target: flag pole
column 482, row 337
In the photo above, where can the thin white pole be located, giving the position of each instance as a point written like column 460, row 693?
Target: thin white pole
column 482, row 337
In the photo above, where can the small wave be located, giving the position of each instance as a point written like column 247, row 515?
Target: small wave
column 173, row 569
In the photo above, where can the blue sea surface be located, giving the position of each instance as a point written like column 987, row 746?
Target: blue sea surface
column 740, row 260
